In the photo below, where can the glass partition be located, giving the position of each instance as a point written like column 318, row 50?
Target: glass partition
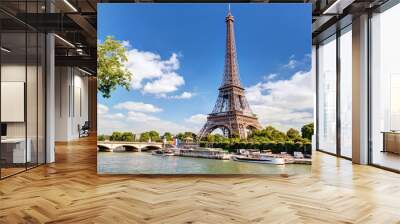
column 13, row 95
column 345, row 58
column 327, row 95
column 22, row 88
column 385, row 88
column 31, row 97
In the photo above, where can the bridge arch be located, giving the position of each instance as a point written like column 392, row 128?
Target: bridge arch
column 150, row 148
column 130, row 148
column 126, row 148
column 103, row 148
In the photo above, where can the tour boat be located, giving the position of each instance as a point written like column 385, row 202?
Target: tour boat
column 259, row 159
column 204, row 153
column 160, row 152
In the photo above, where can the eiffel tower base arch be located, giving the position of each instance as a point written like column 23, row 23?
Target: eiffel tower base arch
column 231, row 125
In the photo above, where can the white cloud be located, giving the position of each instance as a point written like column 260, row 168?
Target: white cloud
column 283, row 103
column 137, row 118
column 167, row 83
column 138, row 106
column 270, row 76
column 184, row 95
column 151, row 74
column 140, row 117
column 291, row 64
column 107, row 121
column 297, row 63
column 126, row 44
column 195, row 122
column 197, row 119
column 136, row 122
column 116, row 116
column 102, row 109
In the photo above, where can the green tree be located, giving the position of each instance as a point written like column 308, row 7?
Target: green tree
column 111, row 73
column 154, row 136
column 101, row 138
column 235, row 140
column 116, row 136
column 293, row 134
column 218, row 138
column 210, row 138
column 189, row 134
column 144, row 137
column 307, row 131
column 167, row 136
column 180, row 136
column 127, row 136
column 267, row 134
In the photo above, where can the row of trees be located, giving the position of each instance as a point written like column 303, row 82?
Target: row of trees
column 266, row 135
column 145, row 136
column 271, row 134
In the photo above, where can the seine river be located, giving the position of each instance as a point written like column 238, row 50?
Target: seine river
column 145, row 163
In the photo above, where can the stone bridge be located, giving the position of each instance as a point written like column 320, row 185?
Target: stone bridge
column 111, row 146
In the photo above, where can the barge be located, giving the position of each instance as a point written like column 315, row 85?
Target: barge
column 207, row 153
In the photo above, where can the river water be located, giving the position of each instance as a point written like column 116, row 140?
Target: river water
column 146, row 163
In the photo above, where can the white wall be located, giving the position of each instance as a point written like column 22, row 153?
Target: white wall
column 14, row 73
column 71, row 102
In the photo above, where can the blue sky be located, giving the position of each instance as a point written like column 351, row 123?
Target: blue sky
column 176, row 54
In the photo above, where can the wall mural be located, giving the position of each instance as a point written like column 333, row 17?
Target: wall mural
column 172, row 99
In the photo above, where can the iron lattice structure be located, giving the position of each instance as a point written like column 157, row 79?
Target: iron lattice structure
column 231, row 113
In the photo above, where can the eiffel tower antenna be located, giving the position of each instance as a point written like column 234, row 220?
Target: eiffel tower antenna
column 231, row 113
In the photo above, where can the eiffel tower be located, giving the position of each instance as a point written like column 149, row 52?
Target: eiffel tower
column 231, row 113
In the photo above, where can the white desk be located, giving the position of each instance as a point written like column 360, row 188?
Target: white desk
column 18, row 149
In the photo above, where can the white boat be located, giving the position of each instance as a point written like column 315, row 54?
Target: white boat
column 259, row 159
column 203, row 153
column 162, row 153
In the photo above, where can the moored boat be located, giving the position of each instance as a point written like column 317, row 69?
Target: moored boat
column 160, row 152
column 204, row 153
column 259, row 159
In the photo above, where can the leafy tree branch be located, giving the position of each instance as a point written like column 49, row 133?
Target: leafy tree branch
column 111, row 73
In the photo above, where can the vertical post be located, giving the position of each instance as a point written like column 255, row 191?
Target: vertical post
column 314, row 68
column 316, row 128
column 0, row 95
column 26, row 88
column 92, row 103
column 360, row 89
column 50, row 92
column 338, row 81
